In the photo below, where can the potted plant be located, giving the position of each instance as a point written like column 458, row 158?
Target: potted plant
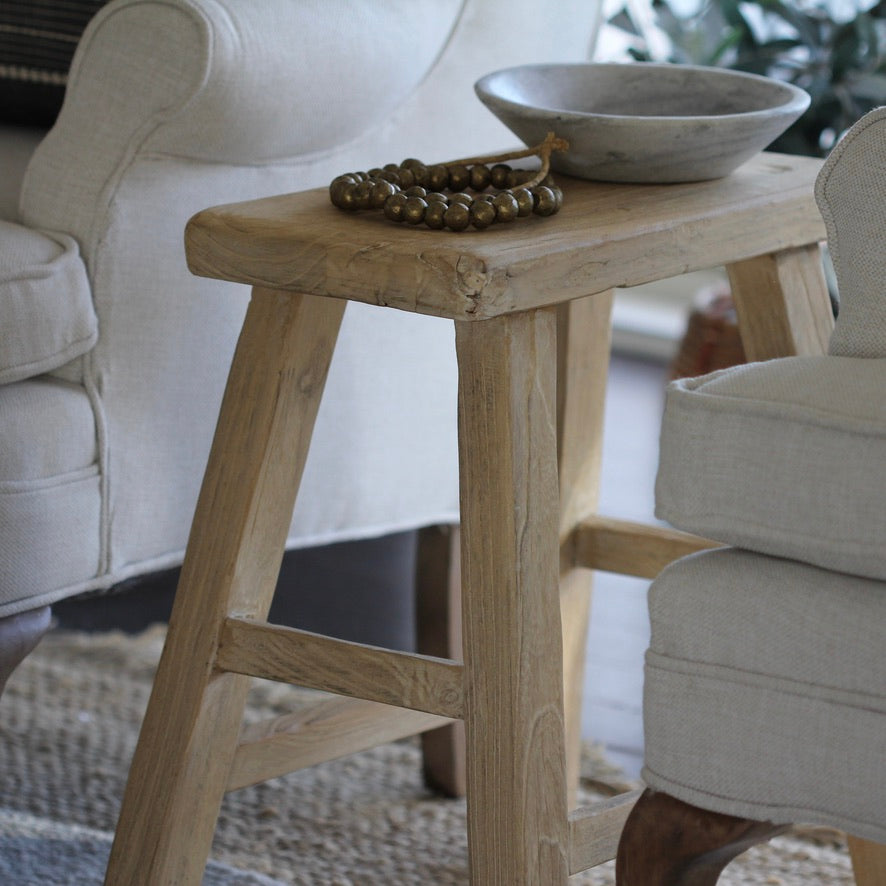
column 834, row 49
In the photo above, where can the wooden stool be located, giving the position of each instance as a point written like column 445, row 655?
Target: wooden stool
column 531, row 304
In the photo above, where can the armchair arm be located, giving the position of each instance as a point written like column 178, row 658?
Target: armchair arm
column 229, row 81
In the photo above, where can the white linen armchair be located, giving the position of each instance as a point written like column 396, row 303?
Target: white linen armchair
column 765, row 689
column 113, row 357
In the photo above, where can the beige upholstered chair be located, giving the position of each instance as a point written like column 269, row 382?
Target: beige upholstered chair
column 113, row 357
column 765, row 693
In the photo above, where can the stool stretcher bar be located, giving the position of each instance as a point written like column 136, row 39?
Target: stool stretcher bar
column 325, row 730
column 630, row 548
column 288, row 655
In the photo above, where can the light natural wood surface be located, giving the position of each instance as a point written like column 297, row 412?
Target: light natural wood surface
column 594, row 831
column 531, row 388
column 189, row 735
column 289, row 655
column 605, row 236
column 782, row 304
column 583, row 342
column 438, row 633
column 516, row 766
column 629, row 548
column 331, row 728
column 868, row 862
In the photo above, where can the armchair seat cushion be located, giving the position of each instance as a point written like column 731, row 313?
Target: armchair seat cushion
column 785, row 457
column 764, row 691
column 50, row 493
column 46, row 312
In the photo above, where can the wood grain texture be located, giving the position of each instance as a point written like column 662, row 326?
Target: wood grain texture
column 438, row 633
column 868, row 862
column 594, row 831
column 606, row 235
column 243, row 512
column 516, row 768
column 782, row 303
column 629, row 548
column 331, row 728
column 583, row 343
column 666, row 842
column 289, row 655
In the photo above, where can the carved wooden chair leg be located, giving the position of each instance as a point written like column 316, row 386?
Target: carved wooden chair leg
column 19, row 634
column 666, row 842
column 438, row 632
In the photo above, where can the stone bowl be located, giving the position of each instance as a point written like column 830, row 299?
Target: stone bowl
column 643, row 122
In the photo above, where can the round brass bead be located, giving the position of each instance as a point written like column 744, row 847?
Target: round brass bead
column 381, row 190
column 459, row 177
column 461, row 197
column 525, row 202
column 407, row 178
column 558, row 198
column 545, row 201
column 482, row 214
column 437, row 197
column 363, row 194
column 480, row 177
column 416, row 191
column 438, row 177
column 499, row 175
column 341, row 194
column 395, row 207
column 421, row 173
column 414, row 211
column 457, row 217
column 434, row 214
column 506, row 207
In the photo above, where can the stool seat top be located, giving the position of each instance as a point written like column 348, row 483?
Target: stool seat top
column 606, row 235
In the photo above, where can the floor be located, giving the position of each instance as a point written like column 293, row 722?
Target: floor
column 619, row 627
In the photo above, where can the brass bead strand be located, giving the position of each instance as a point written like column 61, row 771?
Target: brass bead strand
column 413, row 192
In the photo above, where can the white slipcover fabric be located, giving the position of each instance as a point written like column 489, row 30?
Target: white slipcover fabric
column 46, row 315
column 176, row 105
column 765, row 691
column 50, row 492
column 851, row 193
column 786, row 457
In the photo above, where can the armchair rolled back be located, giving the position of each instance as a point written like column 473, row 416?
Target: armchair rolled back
column 851, row 194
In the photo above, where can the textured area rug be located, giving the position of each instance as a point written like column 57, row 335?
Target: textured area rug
column 68, row 724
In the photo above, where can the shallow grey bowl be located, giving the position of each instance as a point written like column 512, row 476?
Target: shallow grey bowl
column 640, row 122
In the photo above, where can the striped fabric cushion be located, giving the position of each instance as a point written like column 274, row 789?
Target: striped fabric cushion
column 37, row 42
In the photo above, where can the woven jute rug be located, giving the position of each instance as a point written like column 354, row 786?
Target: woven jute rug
column 69, row 721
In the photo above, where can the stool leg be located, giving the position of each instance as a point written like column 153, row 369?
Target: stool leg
column 583, row 341
column 438, row 633
column 190, row 730
column 868, row 862
column 782, row 303
column 516, row 770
